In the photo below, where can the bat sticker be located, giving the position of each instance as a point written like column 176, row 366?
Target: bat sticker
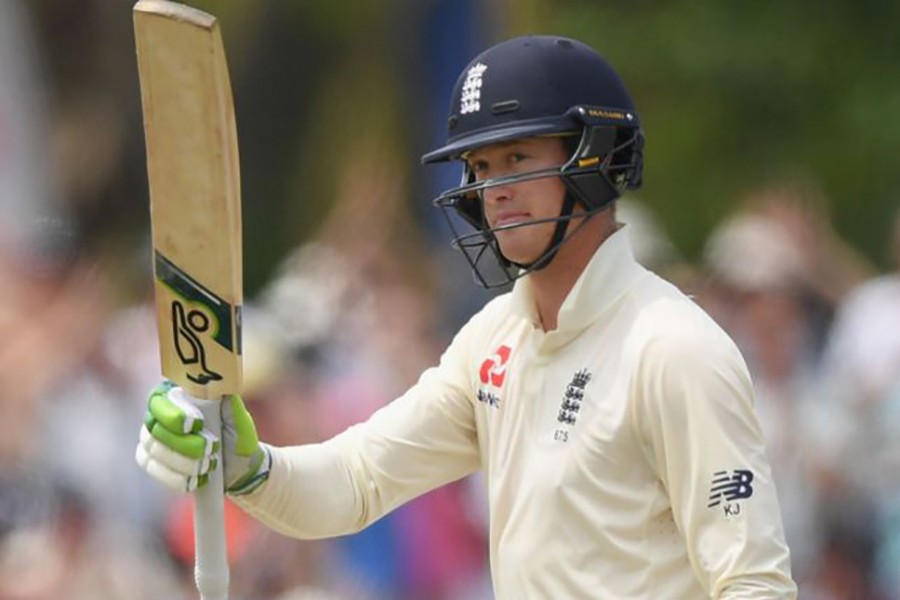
column 198, row 315
column 188, row 344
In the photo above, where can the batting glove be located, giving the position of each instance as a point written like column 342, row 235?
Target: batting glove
column 176, row 450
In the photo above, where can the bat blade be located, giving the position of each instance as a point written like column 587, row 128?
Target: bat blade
column 195, row 209
column 192, row 165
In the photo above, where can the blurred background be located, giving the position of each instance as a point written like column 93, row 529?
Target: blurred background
column 772, row 195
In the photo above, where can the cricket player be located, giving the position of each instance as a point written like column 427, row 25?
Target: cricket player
column 612, row 418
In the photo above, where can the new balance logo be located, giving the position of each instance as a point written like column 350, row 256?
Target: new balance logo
column 729, row 487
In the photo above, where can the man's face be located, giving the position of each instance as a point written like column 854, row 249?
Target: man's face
column 510, row 204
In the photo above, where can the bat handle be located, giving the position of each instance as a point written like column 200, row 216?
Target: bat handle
column 211, row 567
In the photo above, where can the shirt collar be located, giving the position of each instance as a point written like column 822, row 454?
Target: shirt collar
column 609, row 273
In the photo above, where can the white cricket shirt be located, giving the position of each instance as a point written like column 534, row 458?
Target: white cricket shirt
column 622, row 454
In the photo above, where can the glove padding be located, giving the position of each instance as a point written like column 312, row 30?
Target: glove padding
column 177, row 451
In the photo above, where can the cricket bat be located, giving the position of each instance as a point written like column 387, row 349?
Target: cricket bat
column 195, row 208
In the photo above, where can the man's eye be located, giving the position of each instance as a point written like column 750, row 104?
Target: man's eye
column 516, row 157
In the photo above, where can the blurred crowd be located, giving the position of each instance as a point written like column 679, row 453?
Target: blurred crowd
column 338, row 333
column 347, row 323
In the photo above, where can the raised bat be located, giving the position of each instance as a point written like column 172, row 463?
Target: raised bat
column 195, row 207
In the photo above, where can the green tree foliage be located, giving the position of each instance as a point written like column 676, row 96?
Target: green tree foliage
column 734, row 94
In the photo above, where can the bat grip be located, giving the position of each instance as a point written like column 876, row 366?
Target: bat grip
column 211, row 567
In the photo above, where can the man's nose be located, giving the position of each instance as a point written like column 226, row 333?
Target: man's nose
column 497, row 193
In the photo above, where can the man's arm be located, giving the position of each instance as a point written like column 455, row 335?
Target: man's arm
column 693, row 401
column 423, row 439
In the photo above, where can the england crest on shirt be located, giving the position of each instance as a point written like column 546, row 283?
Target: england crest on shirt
column 570, row 406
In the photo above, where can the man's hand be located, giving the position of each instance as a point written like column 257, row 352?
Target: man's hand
column 177, row 451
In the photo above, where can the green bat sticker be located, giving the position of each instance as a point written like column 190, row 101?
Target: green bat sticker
column 200, row 314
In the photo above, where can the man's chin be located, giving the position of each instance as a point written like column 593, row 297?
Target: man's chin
column 519, row 258
column 519, row 248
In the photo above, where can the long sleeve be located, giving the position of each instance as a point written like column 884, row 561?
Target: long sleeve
column 693, row 403
column 423, row 439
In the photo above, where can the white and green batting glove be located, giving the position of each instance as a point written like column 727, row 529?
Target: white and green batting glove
column 177, row 451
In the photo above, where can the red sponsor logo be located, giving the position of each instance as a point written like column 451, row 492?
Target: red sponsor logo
column 493, row 369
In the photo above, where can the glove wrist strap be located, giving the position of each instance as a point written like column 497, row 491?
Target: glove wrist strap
column 254, row 477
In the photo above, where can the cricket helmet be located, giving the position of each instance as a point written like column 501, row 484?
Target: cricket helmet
column 540, row 86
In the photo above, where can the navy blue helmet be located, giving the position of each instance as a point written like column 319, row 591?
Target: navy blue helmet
column 536, row 86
